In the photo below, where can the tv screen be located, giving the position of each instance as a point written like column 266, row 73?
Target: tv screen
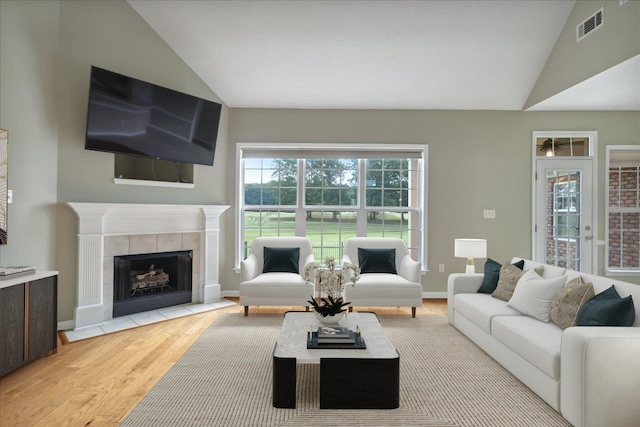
column 130, row 116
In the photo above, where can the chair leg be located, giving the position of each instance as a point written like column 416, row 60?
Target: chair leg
column 246, row 310
column 413, row 312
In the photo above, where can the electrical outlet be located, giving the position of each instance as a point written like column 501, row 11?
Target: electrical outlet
column 441, row 268
column 9, row 196
column 491, row 214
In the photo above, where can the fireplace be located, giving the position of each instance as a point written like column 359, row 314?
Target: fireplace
column 150, row 281
column 106, row 230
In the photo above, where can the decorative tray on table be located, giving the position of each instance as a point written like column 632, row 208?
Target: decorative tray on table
column 325, row 338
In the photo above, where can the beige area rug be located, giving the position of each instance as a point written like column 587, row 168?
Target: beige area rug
column 224, row 379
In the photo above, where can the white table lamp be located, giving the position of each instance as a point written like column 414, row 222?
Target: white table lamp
column 470, row 249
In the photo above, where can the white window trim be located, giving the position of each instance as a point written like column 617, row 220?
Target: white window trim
column 607, row 269
column 593, row 150
column 365, row 148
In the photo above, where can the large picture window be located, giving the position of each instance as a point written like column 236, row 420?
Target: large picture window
column 330, row 195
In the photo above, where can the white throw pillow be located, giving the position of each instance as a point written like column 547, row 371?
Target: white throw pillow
column 533, row 295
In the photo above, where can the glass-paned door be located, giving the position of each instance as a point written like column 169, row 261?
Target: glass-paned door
column 564, row 213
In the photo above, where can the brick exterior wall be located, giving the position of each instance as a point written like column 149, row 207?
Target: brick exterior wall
column 561, row 251
column 624, row 227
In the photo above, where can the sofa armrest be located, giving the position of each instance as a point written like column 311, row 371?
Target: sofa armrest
column 409, row 269
column 460, row 283
column 249, row 268
column 600, row 376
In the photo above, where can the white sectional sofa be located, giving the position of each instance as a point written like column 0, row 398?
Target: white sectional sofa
column 590, row 374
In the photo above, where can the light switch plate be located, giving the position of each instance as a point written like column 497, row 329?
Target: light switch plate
column 491, row 214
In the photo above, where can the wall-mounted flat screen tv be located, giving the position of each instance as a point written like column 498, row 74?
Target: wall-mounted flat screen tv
column 130, row 116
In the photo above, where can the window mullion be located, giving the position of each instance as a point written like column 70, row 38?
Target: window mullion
column 361, row 219
column 300, row 211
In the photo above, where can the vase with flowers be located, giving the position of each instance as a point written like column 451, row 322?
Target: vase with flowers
column 330, row 282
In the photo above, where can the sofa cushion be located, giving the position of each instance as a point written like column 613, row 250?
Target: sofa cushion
column 509, row 276
column 377, row 260
column 275, row 284
column 607, row 309
column 492, row 274
column 537, row 342
column 567, row 302
column 377, row 280
column 548, row 272
column 533, row 295
column 481, row 308
column 386, row 287
column 284, row 260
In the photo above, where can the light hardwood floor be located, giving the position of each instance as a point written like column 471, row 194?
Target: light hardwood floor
column 98, row 381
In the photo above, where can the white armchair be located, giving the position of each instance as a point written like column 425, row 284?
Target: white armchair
column 272, row 273
column 387, row 282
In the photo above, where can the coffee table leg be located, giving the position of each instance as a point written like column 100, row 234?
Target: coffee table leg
column 284, row 382
column 366, row 383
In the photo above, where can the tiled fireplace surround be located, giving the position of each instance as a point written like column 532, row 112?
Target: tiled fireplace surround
column 146, row 244
column 106, row 230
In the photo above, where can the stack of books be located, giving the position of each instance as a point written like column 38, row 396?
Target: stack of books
column 335, row 335
column 326, row 337
column 7, row 273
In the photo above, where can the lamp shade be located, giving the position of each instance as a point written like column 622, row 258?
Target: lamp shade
column 470, row 248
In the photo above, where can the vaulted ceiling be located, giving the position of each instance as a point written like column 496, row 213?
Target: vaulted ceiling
column 462, row 55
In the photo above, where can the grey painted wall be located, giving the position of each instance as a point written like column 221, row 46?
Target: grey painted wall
column 571, row 62
column 477, row 160
column 28, row 57
column 47, row 50
column 112, row 35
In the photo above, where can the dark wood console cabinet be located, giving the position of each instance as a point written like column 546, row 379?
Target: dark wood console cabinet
column 28, row 319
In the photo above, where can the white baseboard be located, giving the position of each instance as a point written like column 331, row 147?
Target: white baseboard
column 230, row 294
column 434, row 295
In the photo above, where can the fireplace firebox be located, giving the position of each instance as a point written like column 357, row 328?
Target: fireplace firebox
column 150, row 281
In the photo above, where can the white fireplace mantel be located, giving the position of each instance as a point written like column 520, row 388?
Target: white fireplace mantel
column 97, row 220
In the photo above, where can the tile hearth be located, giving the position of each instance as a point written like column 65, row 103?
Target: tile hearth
column 140, row 319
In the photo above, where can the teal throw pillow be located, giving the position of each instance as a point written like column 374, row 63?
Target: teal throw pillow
column 492, row 274
column 377, row 260
column 281, row 260
column 607, row 309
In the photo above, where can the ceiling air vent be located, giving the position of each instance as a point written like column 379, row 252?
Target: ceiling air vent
column 590, row 24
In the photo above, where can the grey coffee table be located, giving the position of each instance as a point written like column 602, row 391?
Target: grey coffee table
column 369, row 378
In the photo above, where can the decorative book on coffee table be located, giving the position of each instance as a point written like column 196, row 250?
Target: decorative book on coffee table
column 335, row 338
